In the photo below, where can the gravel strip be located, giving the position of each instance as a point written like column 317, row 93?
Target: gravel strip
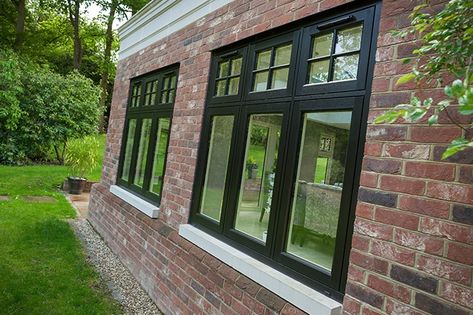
column 123, row 286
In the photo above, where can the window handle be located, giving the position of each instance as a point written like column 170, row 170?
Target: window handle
column 335, row 22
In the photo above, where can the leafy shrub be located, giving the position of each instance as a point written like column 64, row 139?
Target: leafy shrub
column 82, row 156
column 42, row 109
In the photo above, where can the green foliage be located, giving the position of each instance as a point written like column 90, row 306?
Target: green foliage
column 48, row 109
column 447, row 48
column 82, row 156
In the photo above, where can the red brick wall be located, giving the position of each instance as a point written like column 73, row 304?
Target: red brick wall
column 411, row 247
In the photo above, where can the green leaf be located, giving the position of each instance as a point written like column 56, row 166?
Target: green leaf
column 433, row 119
column 406, row 78
column 456, row 146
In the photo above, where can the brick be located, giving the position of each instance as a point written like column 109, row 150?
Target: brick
column 387, row 133
column 429, row 207
column 351, row 306
column 460, row 253
column 373, row 148
column 373, row 229
column 414, row 279
column 369, row 311
column 247, row 285
column 402, row 184
column 382, row 166
column 368, row 262
column 270, row 299
column 364, row 210
column 430, row 170
column 435, row 306
column 462, row 214
column 377, row 197
column 389, row 99
column 359, row 242
column 407, row 151
column 397, row 218
column 418, row 241
column 462, row 157
column 392, row 252
column 457, row 294
column 451, row 192
column 398, row 308
column 369, row 179
column 466, row 175
column 445, row 269
column 365, row 295
column 387, row 287
column 434, row 134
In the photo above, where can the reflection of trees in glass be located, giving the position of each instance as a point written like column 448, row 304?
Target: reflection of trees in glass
column 346, row 67
column 349, row 39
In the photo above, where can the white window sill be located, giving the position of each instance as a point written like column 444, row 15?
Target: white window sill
column 300, row 295
column 142, row 205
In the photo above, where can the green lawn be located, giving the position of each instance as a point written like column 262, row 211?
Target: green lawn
column 42, row 267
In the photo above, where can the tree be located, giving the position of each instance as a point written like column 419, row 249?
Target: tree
column 20, row 23
column 446, row 50
column 73, row 13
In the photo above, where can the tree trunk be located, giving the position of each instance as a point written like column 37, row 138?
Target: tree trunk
column 20, row 24
column 73, row 9
column 106, row 58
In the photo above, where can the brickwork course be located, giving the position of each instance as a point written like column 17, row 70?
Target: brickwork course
column 412, row 249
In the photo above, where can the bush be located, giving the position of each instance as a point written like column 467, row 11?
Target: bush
column 43, row 110
column 82, row 156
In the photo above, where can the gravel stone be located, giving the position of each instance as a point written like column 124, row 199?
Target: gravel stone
column 123, row 286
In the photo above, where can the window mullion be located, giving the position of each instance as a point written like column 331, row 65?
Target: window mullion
column 271, row 64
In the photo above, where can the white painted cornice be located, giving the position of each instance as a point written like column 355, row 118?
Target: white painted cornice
column 160, row 18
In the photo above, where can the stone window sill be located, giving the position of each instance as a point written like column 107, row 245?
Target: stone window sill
column 142, row 205
column 300, row 295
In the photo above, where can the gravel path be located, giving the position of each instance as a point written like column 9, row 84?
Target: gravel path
column 123, row 286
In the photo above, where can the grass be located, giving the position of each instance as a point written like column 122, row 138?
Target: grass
column 97, row 171
column 42, row 266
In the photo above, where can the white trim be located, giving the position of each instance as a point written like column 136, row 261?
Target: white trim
column 144, row 206
column 160, row 18
column 300, row 295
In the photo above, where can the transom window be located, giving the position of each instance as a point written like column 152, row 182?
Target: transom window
column 335, row 55
column 278, row 162
column 146, row 133
column 228, row 76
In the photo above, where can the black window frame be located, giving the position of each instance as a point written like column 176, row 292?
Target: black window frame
column 293, row 101
column 155, row 112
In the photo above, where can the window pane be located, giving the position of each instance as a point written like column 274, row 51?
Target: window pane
column 233, row 87
column 279, row 80
column 172, row 95
column 164, row 96
column 217, row 164
column 173, row 81
column 159, row 156
column 128, row 148
column 349, row 39
column 166, row 83
column 319, row 71
column 318, row 190
column 142, row 152
column 283, row 55
column 261, row 81
column 258, row 176
column 263, row 59
column 135, row 95
column 322, row 45
column 220, row 88
column 236, row 66
column 223, row 69
column 346, row 67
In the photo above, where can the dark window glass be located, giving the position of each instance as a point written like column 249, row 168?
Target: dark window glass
column 272, row 68
column 228, row 76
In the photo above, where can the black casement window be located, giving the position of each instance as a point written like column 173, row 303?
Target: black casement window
column 282, row 143
column 146, row 133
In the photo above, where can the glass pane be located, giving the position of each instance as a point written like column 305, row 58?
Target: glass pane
column 172, row 94
column 220, row 88
column 223, row 69
column 263, row 59
column 349, row 39
column 279, row 80
column 142, row 152
column 137, row 90
column 173, row 82
column 217, row 164
column 159, row 156
column 147, row 99
column 130, row 139
column 318, row 190
column 283, row 55
column 164, row 96
column 261, row 81
column 166, row 83
column 318, row 72
column 233, row 87
column 236, row 66
column 135, row 95
column 322, row 45
column 152, row 100
column 346, row 67
column 258, row 176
